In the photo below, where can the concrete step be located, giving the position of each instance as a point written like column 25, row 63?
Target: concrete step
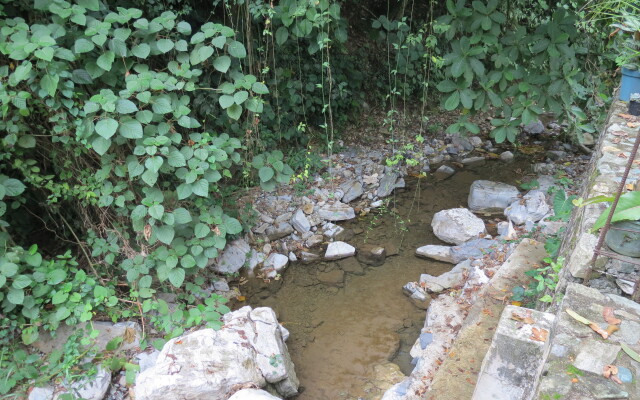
column 514, row 362
column 457, row 376
column 578, row 355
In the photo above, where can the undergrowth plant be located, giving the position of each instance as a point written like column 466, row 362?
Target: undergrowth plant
column 515, row 68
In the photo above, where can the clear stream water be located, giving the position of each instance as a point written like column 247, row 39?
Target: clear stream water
column 338, row 334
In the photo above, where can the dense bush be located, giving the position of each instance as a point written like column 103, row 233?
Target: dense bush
column 516, row 67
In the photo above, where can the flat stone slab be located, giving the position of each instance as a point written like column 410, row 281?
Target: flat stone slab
column 516, row 356
column 338, row 250
column 436, row 252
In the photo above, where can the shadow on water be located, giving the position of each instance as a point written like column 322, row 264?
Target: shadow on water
column 341, row 329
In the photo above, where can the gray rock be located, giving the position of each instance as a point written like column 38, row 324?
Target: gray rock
column 462, row 142
column 489, row 196
column 578, row 263
column 284, row 217
column 336, row 212
column 331, row 231
column 307, row 257
column 475, row 141
column 314, row 240
column 388, row 183
column 255, row 259
column 418, row 295
column 233, row 257
column 221, row 285
column 506, row 230
column 292, row 256
column 147, row 360
column 91, row 388
column 448, row 280
column 556, row 155
column 533, row 207
column 352, row 190
column 41, row 393
column 372, row 255
column 279, row 230
column 425, row 339
column 545, row 182
column 274, row 264
column 551, row 227
column 544, row 169
column 625, row 285
column 594, row 355
column 472, row 249
column 615, row 267
column 338, row 250
column 300, row 222
column 473, row 161
column 249, row 349
column 436, row 252
column 457, row 225
column 444, row 172
column 588, row 139
column 253, row 394
column 351, row 266
column 507, row 156
column 534, row 128
column 334, row 277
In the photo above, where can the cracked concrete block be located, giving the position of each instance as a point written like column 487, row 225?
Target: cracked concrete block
column 511, row 368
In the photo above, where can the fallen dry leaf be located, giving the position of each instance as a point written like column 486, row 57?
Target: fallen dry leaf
column 629, row 186
column 147, row 232
column 516, row 303
column 488, row 312
column 524, row 317
column 612, row 328
column 609, row 370
column 620, row 133
column 599, row 330
column 626, row 116
column 129, row 335
column 539, row 334
column 616, row 380
column 622, row 155
column 633, row 124
column 607, row 313
column 575, row 380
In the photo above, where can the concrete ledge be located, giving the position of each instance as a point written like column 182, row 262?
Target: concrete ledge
column 515, row 359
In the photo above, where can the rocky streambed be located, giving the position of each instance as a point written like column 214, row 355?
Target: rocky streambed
column 344, row 266
column 351, row 326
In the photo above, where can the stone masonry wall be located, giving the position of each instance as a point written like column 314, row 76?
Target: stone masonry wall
column 602, row 178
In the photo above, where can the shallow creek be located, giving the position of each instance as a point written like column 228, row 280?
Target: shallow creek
column 341, row 330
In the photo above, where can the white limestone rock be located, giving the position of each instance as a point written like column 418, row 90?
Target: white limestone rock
column 457, row 225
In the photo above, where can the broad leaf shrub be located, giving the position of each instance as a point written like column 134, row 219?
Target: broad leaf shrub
column 517, row 70
column 100, row 130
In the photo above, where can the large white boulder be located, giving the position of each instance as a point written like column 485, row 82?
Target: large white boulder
column 457, row 225
column 249, row 349
column 253, row 394
column 488, row 196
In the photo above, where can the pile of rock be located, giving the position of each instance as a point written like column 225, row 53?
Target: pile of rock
column 248, row 352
